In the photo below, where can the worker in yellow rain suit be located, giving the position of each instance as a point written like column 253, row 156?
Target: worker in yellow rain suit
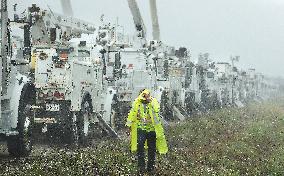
column 146, row 125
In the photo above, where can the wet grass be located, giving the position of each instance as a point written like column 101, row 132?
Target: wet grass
column 247, row 141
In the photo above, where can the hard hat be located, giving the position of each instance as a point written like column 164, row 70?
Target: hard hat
column 145, row 91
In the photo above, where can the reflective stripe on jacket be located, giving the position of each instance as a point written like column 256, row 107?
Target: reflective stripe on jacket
column 132, row 122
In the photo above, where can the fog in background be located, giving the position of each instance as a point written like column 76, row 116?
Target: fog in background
column 252, row 29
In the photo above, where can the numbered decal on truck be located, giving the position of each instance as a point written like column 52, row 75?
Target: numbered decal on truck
column 52, row 107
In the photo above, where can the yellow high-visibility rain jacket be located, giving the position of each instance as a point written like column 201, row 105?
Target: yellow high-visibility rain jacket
column 132, row 122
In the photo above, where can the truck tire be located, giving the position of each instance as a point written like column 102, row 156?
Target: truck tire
column 83, row 122
column 166, row 109
column 21, row 144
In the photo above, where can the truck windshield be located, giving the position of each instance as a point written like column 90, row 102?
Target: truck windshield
column 83, row 53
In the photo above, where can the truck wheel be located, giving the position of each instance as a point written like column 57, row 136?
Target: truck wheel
column 83, row 122
column 166, row 109
column 21, row 144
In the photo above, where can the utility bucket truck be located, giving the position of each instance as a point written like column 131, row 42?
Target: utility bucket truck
column 72, row 94
column 17, row 91
column 49, row 81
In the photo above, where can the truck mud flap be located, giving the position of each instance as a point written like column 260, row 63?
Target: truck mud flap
column 178, row 114
column 107, row 127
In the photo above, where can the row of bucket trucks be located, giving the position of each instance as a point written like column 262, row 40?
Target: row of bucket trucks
column 67, row 77
column 181, row 86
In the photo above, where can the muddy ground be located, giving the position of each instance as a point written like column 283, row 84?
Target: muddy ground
column 229, row 141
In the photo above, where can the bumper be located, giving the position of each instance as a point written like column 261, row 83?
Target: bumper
column 47, row 116
column 8, row 132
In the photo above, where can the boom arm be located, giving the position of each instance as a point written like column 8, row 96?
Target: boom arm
column 137, row 18
column 59, row 27
column 67, row 7
column 155, row 20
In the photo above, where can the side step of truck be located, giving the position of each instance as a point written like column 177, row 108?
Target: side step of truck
column 183, row 111
column 104, row 124
column 239, row 104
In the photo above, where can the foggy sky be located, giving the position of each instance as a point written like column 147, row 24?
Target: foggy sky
column 252, row 29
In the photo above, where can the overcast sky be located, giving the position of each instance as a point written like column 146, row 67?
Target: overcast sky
column 252, row 29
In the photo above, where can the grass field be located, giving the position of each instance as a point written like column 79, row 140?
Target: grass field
column 247, row 141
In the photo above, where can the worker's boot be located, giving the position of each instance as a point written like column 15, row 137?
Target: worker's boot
column 151, row 170
column 141, row 171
